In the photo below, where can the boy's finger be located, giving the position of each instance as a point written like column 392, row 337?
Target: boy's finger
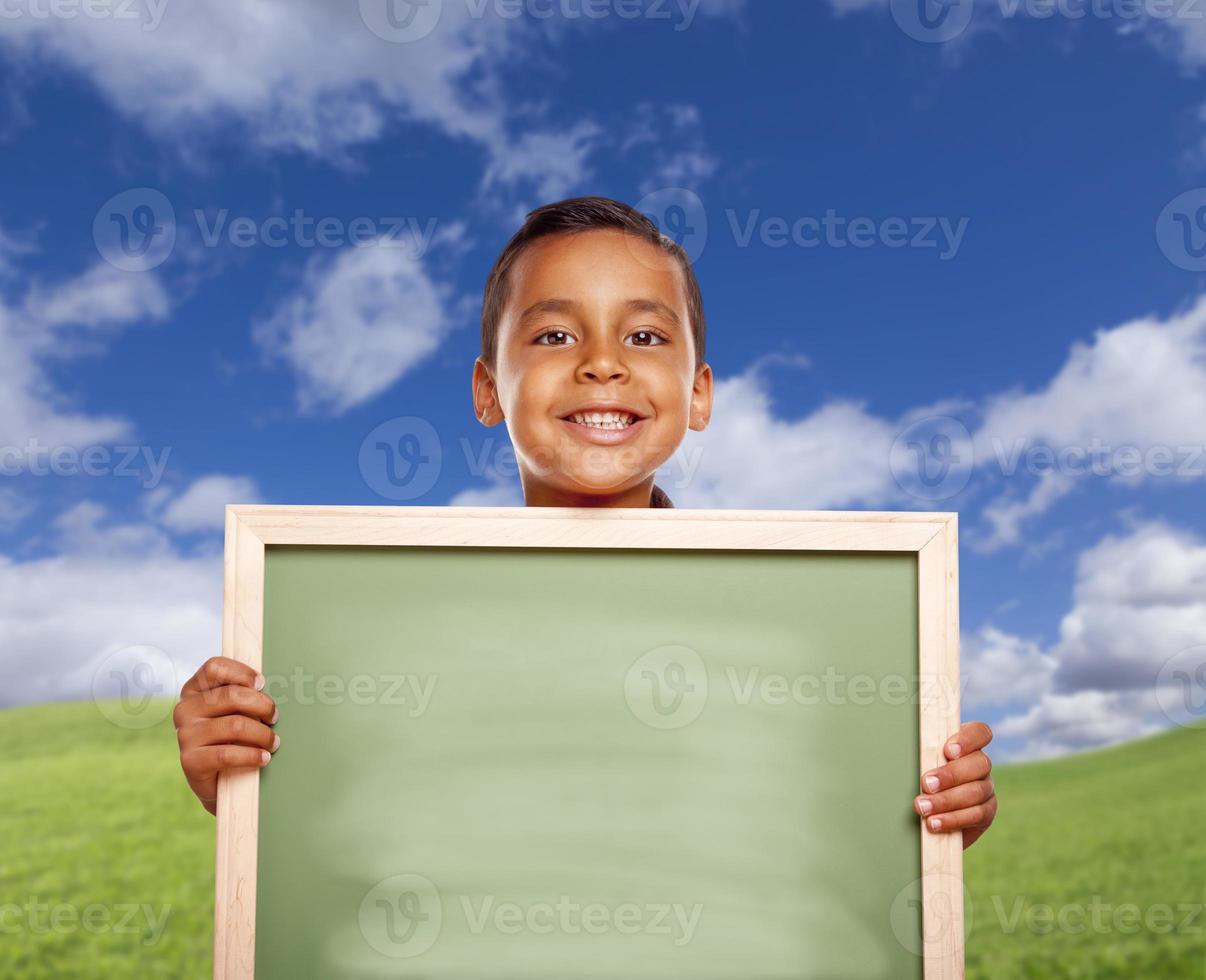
column 968, row 794
column 233, row 700
column 964, row 770
column 971, row 737
column 219, row 672
column 207, row 759
column 229, row 730
column 973, row 816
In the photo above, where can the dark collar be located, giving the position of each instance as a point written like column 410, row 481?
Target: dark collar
column 659, row 498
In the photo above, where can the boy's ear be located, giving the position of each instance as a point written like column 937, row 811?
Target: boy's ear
column 701, row 398
column 485, row 395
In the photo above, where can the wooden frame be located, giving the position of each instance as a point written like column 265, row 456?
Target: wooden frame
column 933, row 537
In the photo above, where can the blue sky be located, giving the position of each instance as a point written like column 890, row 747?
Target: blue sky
column 1027, row 194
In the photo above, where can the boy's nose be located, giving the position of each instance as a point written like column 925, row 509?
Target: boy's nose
column 602, row 363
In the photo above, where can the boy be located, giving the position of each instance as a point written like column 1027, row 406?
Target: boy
column 593, row 354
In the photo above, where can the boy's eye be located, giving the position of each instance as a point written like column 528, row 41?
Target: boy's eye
column 561, row 336
column 647, row 338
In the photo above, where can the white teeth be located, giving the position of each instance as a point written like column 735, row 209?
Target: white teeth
column 604, row 420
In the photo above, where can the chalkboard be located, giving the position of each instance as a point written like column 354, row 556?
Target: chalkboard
column 552, row 743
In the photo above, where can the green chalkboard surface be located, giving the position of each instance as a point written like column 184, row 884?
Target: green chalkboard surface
column 564, row 763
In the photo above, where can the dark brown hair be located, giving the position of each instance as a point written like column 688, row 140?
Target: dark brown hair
column 568, row 217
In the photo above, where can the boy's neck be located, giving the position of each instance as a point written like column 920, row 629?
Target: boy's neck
column 540, row 495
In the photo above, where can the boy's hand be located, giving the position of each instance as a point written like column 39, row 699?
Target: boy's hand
column 222, row 723
column 960, row 795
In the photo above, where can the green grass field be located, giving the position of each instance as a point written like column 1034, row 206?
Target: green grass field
column 106, row 861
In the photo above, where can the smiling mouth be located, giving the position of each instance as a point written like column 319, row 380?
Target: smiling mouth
column 603, row 420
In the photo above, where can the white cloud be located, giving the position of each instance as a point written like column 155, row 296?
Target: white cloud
column 361, row 320
column 999, row 668
column 555, row 162
column 101, row 296
column 1139, row 601
column 1180, row 37
column 202, row 505
column 1129, row 406
column 1062, row 723
column 1142, row 383
column 1006, row 514
column 13, row 507
column 50, row 322
column 311, row 75
column 836, row 456
column 105, row 587
column 674, row 132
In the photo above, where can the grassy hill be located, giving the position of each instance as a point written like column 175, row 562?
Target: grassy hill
column 110, row 860
column 98, row 816
column 1119, row 826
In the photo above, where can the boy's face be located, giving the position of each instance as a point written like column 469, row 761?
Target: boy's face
column 595, row 321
